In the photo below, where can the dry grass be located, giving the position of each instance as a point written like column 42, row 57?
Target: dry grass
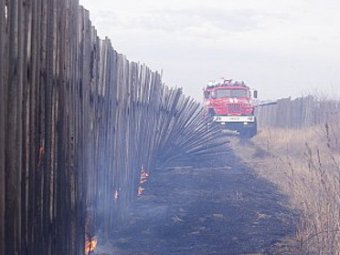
column 305, row 165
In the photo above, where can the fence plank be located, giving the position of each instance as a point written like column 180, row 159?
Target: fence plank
column 3, row 108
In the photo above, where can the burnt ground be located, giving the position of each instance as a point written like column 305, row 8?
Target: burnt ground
column 205, row 207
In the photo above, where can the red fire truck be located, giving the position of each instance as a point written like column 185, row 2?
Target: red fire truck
column 230, row 103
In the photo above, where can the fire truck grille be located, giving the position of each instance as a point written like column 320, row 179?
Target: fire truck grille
column 234, row 107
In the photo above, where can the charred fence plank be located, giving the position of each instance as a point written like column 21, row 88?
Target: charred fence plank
column 3, row 108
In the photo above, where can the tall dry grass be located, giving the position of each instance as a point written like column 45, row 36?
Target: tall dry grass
column 305, row 164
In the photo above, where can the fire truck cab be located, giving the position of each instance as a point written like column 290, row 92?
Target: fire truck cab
column 230, row 103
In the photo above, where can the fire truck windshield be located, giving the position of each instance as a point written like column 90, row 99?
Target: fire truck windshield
column 231, row 93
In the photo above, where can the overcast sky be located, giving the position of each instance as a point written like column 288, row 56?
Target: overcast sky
column 281, row 48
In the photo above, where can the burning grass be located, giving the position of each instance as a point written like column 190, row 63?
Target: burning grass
column 305, row 166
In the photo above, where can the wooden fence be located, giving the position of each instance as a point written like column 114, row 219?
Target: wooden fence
column 297, row 113
column 78, row 122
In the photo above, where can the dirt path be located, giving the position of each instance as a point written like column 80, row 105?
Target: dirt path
column 205, row 208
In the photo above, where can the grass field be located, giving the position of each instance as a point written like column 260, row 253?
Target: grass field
column 304, row 164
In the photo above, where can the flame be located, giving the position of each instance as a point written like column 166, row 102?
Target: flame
column 140, row 191
column 143, row 179
column 90, row 244
column 116, row 194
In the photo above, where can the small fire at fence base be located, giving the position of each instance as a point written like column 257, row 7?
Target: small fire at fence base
column 144, row 175
column 90, row 244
